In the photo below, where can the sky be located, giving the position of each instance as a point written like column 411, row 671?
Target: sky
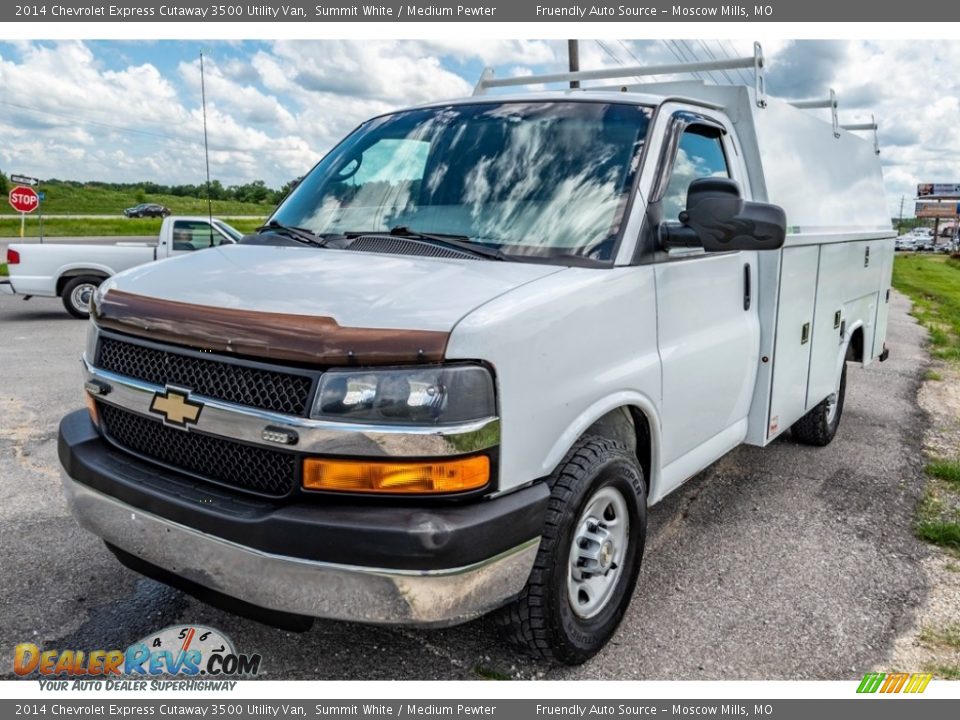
column 131, row 111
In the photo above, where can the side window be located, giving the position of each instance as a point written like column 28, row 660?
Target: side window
column 191, row 235
column 699, row 154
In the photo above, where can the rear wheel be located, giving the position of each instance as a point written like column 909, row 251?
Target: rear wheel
column 78, row 293
column 589, row 556
column 819, row 425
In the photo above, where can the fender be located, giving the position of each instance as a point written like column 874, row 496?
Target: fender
column 623, row 398
column 84, row 267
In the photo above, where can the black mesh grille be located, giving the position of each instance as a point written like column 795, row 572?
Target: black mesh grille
column 268, row 472
column 271, row 390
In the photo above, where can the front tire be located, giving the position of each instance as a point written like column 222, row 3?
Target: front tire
column 78, row 293
column 819, row 425
column 589, row 557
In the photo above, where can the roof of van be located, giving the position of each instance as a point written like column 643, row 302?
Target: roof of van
column 611, row 96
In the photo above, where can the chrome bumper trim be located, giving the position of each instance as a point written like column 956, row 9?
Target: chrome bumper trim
column 305, row 587
column 322, row 437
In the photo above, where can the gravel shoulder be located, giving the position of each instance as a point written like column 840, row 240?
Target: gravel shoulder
column 932, row 642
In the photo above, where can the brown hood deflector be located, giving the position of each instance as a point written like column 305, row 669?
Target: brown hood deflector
column 273, row 336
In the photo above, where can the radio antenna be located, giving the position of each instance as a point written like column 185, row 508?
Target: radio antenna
column 206, row 146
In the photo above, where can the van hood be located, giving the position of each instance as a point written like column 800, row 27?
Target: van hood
column 307, row 304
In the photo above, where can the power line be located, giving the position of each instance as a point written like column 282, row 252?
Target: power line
column 678, row 53
column 95, row 123
column 129, row 130
column 696, row 58
column 712, row 56
column 631, row 54
column 609, row 52
column 619, row 62
column 734, row 53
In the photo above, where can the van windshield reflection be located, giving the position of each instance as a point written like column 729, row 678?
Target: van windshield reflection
column 530, row 179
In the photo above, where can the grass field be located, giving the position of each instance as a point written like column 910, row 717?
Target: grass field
column 62, row 199
column 933, row 284
column 120, row 227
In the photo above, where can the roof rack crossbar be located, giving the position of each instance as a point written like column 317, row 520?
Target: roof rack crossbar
column 827, row 102
column 872, row 125
column 487, row 79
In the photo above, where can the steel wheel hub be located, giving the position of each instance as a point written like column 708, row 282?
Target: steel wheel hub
column 596, row 553
column 81, row 296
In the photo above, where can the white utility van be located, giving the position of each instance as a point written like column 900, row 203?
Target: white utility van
column 472, row 347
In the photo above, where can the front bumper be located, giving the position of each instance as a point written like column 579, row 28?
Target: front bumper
column 397, row 564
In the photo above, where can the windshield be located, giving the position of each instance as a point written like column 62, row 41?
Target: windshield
column 539, row 179
column 228, row 230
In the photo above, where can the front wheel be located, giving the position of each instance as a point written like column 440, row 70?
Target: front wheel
column 589, row 556
column 819, row 425
column 78, row 293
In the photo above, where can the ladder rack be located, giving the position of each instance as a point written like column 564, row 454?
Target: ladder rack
column 831, row 103
column 872, row 125
column 487, row 79
column 756, row 62
column 828, row 102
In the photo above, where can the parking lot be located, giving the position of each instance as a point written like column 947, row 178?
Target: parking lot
column 789, row 562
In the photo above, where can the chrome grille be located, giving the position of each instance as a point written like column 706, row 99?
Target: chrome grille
column 244, row 467
column 243, row 384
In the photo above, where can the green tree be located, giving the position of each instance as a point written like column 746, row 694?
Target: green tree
column 282, row 193
column 216, row 190
column 4, row 183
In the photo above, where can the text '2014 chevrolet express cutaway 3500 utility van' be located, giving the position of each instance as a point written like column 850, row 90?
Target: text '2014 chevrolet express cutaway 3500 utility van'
column 473, row 345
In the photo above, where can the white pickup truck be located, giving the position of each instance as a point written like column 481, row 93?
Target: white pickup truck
column 74, row 271
column 474, row 344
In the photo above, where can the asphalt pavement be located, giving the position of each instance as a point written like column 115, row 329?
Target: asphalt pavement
column 788, row 562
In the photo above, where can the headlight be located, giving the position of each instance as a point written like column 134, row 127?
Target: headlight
column 440, row 395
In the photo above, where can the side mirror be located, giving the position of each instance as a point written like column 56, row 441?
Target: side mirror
column 718, row 219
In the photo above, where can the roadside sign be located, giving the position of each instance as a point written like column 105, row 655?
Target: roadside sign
column 24, row 199
column 42, row 195
column 24, row 180
column 936, row 210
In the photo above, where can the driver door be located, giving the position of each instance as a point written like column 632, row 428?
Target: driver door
column 708, row 326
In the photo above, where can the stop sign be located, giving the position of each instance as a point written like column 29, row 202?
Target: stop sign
column 24, row 199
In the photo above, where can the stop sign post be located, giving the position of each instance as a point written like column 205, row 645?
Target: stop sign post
column 24, row 200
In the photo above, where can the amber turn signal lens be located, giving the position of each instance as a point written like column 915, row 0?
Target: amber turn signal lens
column 92, row 408
column 439, row 476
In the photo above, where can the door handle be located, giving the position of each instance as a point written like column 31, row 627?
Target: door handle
column 746, row 286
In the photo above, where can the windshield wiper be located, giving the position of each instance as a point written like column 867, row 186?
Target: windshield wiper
column 297, row 233
column 457, row 242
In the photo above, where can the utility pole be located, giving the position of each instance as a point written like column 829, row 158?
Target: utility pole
column 573, row 55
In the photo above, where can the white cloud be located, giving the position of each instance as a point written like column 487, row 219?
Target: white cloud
column 272, row 113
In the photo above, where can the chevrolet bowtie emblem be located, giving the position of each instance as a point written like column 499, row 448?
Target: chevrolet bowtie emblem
column 176, row 407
